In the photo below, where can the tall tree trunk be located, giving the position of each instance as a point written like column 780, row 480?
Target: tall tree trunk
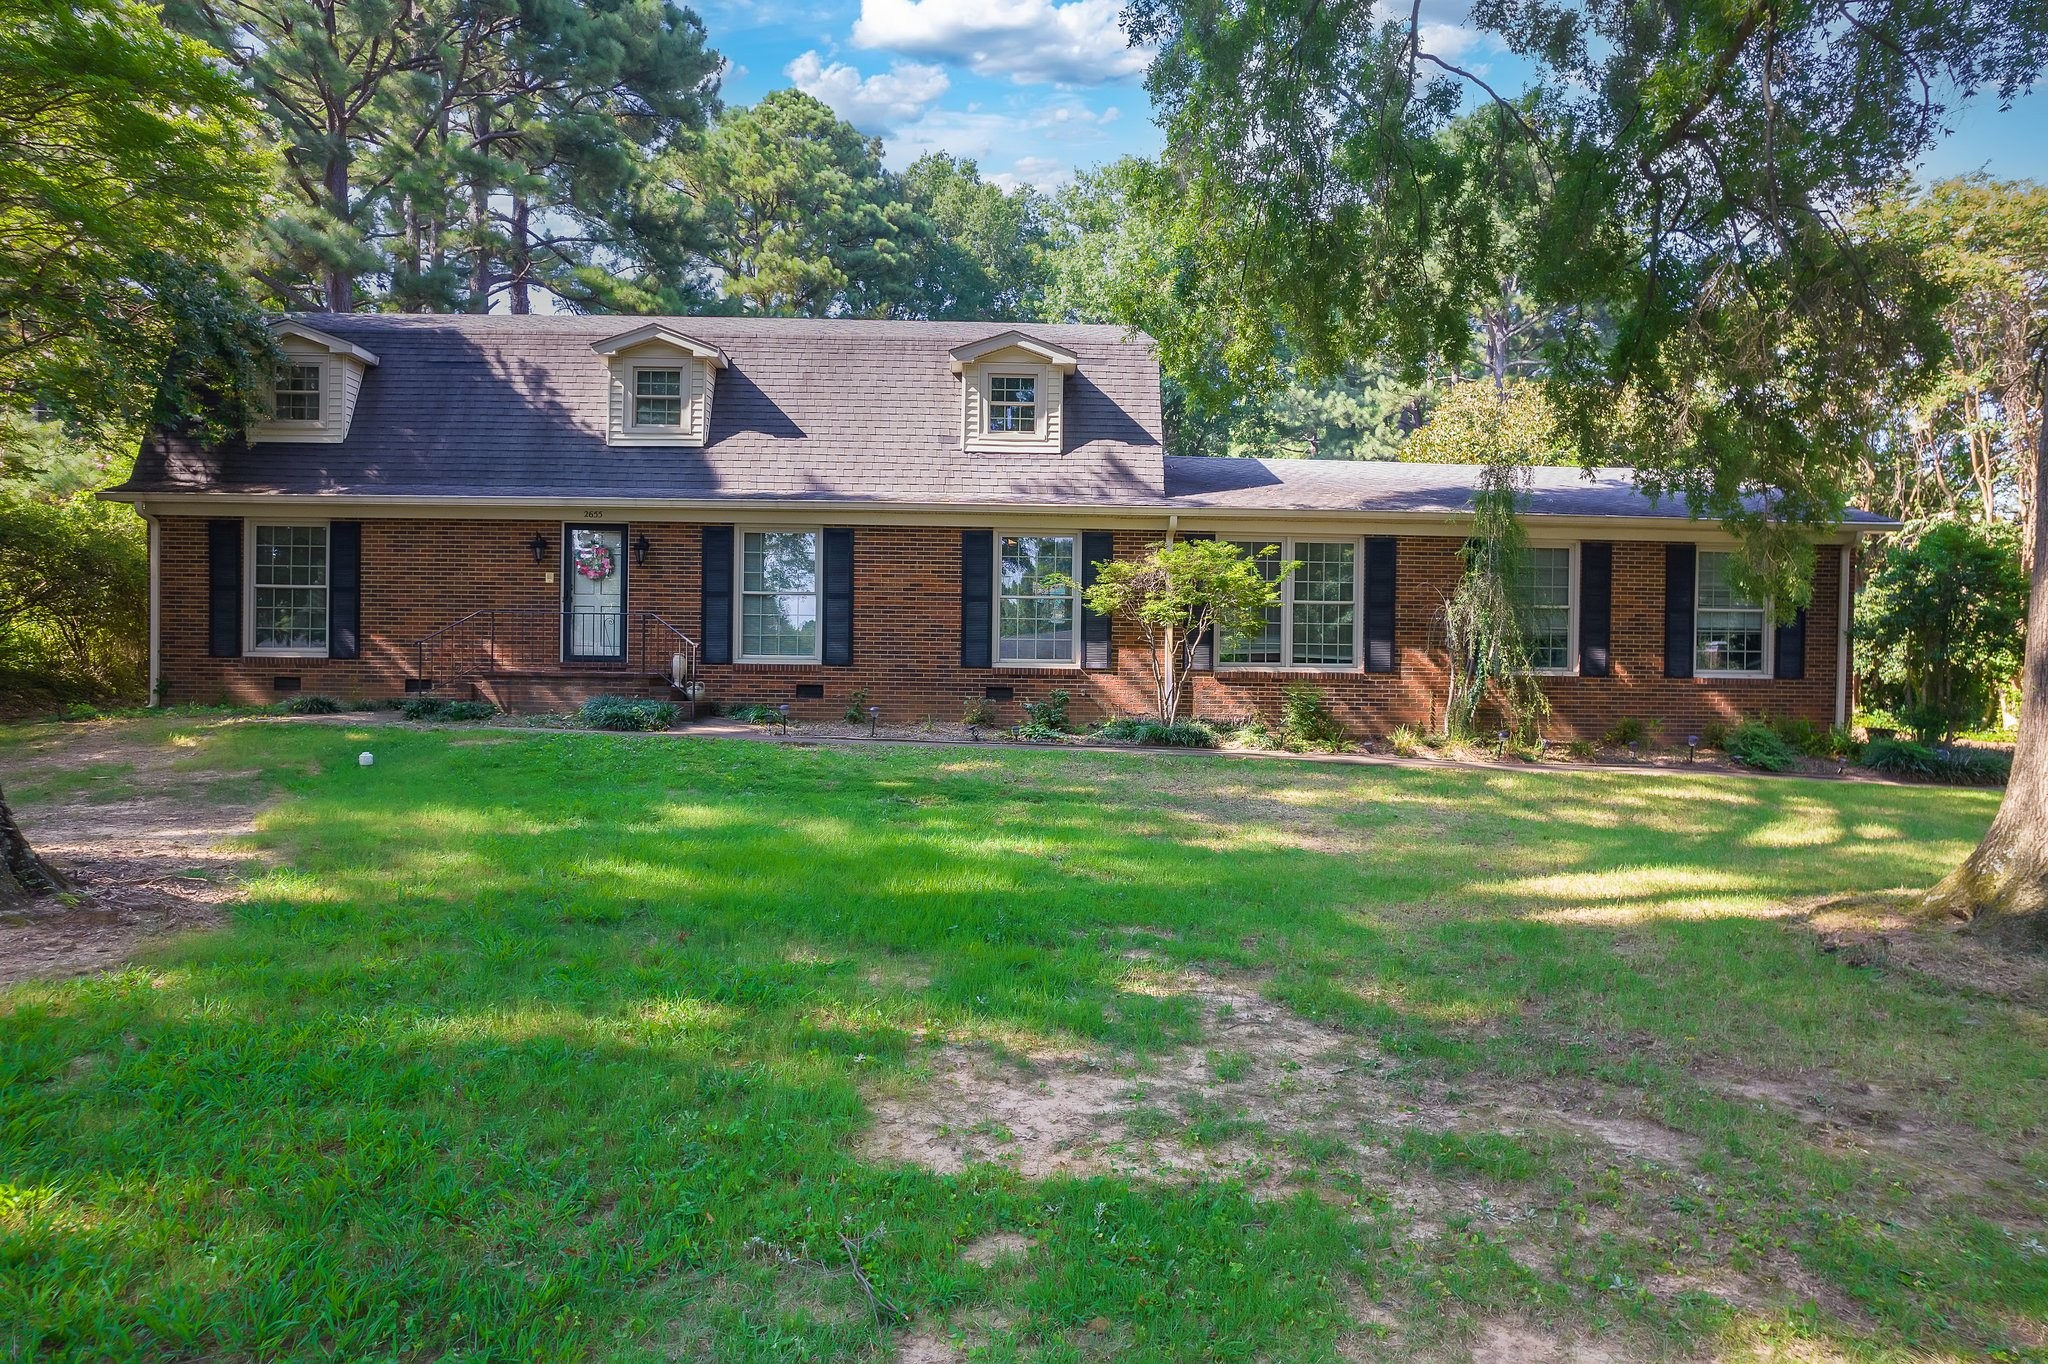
column 23, row 875
column 521, row 255
column 340, row 284
column 2003, row 886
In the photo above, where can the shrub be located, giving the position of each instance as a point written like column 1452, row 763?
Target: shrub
column 978, row 714
column 362, row 703
column 422, row 707
column 1180, row 734
column 1579, row 750
column 1956, row 766
column 756, row 713
column 1841, row 742
column 1405, row 741
column 469, row 710
column 628, row 713
column 1939, row 628
column 1254, row 733
column 1047, row 718
column 1800, row 734
column 1714, row 734
column 1628, row 730
column 310, row 705
column 1306, row 721
column 1755, row 744
column 857, row 707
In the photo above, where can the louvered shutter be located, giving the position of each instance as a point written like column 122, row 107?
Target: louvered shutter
column 1681, row 564
column 716, row 582
column 224, row 588
column 1596, row 608
column 344, row 588
column 838, row 597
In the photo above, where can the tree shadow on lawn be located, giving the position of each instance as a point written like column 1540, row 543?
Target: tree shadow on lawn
column 540, row 1048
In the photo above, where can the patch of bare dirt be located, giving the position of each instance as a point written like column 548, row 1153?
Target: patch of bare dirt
column 1888, row 931
column 996, row 1247
column 1501, row 1341
column 147, row 843
column 1268, row 1096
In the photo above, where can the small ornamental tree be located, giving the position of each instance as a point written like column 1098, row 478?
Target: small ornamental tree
column 1180, row 593
column 1940, row 630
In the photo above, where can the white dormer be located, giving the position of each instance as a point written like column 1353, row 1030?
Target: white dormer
column 1011, row 391
column 313, row 396
column 661, row 386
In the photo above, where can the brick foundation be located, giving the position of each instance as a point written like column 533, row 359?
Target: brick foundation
column 419, row 575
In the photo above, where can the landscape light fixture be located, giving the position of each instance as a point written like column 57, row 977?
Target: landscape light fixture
column 539, row 545
column 1692, row 744
column 783, row 711
column 874, row 718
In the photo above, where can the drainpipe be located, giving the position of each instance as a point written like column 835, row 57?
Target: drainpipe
column 1842, row 634
column 153, row 531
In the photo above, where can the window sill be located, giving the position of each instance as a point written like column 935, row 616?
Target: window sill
column 1286, row 669
column 745, row 662
column 1702, row 673
column 1019, row 665
column 320, row 652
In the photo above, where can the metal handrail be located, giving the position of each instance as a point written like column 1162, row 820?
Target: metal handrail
column 475, row 640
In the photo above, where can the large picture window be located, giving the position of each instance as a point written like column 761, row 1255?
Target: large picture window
column 779, row 594
column 1035, row 618
column 1315, row 624
column 1728, row 625
column 288, row 589
column 1544, row 605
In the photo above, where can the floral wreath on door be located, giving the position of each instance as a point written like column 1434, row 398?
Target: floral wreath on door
column 595, row 560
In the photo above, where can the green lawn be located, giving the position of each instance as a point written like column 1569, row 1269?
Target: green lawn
column 568, row 1047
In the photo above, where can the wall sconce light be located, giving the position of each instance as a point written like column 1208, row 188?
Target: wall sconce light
column 539, row 545
column 640, row 550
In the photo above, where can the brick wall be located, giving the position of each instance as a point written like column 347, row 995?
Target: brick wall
column 419, row 575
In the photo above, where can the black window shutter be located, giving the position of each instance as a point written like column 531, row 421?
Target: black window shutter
column 977, row 592
column 1596, row 608
column 716, row 646
column 1680, row 564
column 224, row 588
column 1097, row 546
column 838, row 613
column 344, row 588
column 1379, row 603
column 1790, row 646
column 1201, row 658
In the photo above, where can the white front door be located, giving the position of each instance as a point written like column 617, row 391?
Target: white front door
column 594, row 594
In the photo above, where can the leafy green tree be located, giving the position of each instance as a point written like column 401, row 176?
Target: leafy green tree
column 984, row 258
column 799, row 214
column 125, row 160
column 1484, row 423
column 1940, row 625
column 1177, row 595
column 1714, row 323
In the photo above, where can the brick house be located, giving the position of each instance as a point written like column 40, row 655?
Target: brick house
column 536, row 509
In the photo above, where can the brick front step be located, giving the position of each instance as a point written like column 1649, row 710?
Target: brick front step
column 532, row 693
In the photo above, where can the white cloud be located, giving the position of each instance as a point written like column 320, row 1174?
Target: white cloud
column 873, row 104
column 992, row 138
column 1032, row 42
column 1042, row 173
column 1444, row 32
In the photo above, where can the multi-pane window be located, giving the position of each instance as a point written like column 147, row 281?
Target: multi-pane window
column 1265, row 648
column 1544, row 604
column 1728, row 625
column 779, row 594
column 1013, row 403
column 1324, row 602
column 288, row 588
column 1035, row 617
column 1315, row 623
column 657, row 397
column 298, row 393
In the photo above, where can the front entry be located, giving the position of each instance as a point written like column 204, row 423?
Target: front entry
column 594, row 594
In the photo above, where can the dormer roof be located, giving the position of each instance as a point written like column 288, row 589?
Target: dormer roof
column 657, row 332
column 327, row 341
column 1059, row 358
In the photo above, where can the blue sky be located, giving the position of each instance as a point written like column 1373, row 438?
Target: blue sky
column 1034, row 89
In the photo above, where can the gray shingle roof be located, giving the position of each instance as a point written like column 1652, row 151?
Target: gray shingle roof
column 475, row 407
column 1389, row 488
column 830, row 411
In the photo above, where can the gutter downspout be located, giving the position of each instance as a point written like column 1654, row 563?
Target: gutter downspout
column 1842, row 634
column 156, row 556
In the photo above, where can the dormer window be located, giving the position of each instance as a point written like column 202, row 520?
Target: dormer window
column 1012, row 390
column 313, row 394
column 662, row 382
column 1013, row 404
column 658, row 398
column 298, row 393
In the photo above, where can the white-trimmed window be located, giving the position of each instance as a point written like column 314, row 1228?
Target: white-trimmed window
column 657, row 399
column 1315, row 624
column 1013, row 404
column 779, row 574
column 298, row 392
column 1728, row 625
column 1544, row 604
column 1036, row 620
column 288, row 589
